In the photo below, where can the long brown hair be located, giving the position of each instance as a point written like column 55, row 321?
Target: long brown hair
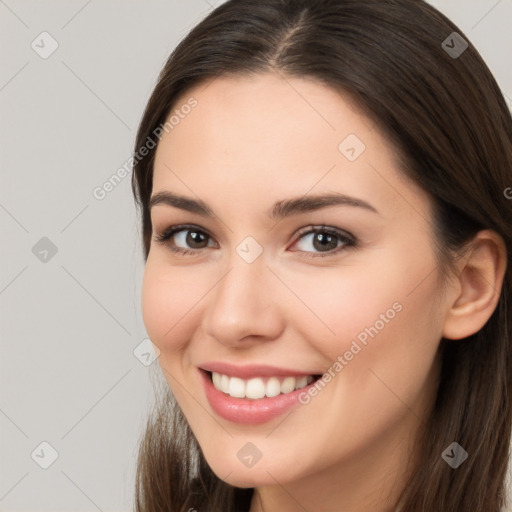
column 449, row 122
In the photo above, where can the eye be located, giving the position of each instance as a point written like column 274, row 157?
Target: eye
column 324, row 240
column 189, row 240
column 184, row 239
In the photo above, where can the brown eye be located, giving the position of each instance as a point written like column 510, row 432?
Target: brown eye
column 196, row 239
column 184, row 239
column 323, row 240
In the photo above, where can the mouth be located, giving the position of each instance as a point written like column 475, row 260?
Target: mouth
column 259, row 387
column 253, row 395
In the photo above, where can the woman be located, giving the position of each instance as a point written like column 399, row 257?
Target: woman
column 327, row 236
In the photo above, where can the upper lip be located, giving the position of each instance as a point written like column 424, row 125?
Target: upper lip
column 252, row 370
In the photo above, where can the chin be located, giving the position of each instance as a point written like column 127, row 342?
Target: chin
column 246, row 479
column 262, row 473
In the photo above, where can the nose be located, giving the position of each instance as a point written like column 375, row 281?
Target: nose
column 244, row 306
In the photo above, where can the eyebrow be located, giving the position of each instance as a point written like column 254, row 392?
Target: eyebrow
column 278, row 211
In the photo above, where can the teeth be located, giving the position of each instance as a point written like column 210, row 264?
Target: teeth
column 288, row 385
column 224, row 384
column 301, row 382
column 236, row 387
column 257, row 387
column 273, row 387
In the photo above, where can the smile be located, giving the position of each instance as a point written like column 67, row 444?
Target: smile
column 252, row 394
column 259, row 387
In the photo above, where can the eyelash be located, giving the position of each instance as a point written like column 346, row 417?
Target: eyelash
column 348, row 240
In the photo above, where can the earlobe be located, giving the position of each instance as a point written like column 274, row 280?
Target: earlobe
column 479, row 283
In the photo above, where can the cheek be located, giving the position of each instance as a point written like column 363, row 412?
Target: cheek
column 168, row 299
column 379, row 314
column 392, row 373
column 335, row 306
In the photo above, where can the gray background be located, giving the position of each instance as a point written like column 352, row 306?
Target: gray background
column 71, row 320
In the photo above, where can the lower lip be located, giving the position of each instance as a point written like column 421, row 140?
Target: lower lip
column 247, row 411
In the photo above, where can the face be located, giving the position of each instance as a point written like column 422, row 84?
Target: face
column 300, row 278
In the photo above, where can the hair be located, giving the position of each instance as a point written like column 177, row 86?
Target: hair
column 452, row 130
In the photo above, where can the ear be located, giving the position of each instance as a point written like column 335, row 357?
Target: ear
column 477, row 285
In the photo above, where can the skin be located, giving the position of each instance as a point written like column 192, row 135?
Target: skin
column 253, row 141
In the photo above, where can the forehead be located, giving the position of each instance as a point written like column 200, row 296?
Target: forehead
column 272, row 136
